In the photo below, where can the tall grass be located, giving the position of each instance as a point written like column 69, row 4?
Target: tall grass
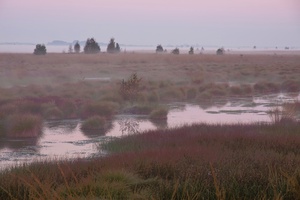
column 23, row 125
column 242, row 161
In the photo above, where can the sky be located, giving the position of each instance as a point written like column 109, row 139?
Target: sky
column 267, row 23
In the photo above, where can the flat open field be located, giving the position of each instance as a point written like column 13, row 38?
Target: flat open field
column 54, row 69
column 61, row 74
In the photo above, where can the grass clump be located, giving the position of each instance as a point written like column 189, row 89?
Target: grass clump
column 104, row 109
column 23, row 125
column 94, row 123
column 53, row 113
column 159, row 113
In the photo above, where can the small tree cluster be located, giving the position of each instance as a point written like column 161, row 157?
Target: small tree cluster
column 91, row 46
column 77, row 47
column 220, row 51
column 40, row 49
column 175, row 51
column 159, row 49
column 129, row 89
column 113, row 47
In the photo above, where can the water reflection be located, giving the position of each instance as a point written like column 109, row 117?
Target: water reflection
column 66, row 126
column 206, row 104
column 15, row 144
column 129, row 126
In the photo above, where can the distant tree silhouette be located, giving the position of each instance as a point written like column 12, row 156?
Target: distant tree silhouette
column 113, row 47
column 77, row 47
column 220, row 51
column 191, row 52
column 40, row 49
column 175, row 51
column 118, row 49
column 159, row 49
column 91, row 46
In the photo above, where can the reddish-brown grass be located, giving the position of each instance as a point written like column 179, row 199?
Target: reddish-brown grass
column 254, row 161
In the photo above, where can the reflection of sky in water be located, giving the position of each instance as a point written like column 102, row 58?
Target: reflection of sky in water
column 64, row 139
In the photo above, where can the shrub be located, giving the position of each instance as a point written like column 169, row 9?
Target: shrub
column 139, row 109
column 235, row 90
column 129, row 89
column 2, row 128
column 53, row 113
column 40, row 49
column 191, row 93
column 175, row 51
column 104, row 109
column 69, row 109
column 268, row 87
column 28, row 106
column 91, row 46
column 160, row 113
column 290, row 86
column 153, row 97
column 172, row 93
column 220, row 51
column 23, row 125
column 8, row 108
column 94, row 123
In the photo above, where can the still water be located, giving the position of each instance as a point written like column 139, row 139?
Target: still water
column 65, row 140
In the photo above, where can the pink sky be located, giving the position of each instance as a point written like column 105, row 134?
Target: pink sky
column 153, row 21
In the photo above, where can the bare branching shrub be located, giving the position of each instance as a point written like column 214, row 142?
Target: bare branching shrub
column 287, row 113
column 129, row 88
